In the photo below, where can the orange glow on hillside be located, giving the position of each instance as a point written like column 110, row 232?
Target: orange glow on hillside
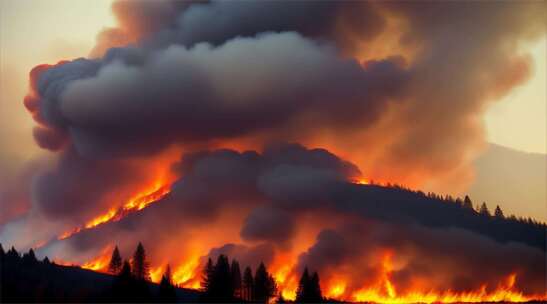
column 101, row 262
column 386, row 292
column 362, row 181
column 188, row 275
column 139, row 201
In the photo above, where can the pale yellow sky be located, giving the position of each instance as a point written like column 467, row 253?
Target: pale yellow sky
column 34, row 32
column 519, row 119
column 45, row 31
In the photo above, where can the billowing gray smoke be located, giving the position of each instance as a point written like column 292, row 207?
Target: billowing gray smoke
column 136, row 102
column 198, row 75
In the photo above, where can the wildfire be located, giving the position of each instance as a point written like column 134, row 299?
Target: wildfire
column 336, row 290
column 387, row 292
column 362, row 181
column 99, row 263
column 139, row 201
column 156, row 274
column 187, row 275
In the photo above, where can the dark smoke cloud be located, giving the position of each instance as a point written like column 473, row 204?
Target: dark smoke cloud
column 137, row 102
column 76, row 187
column 267, row 223
column 176, row 84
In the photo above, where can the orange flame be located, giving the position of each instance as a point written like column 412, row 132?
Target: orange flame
column 362, row 181
column 139, row 201
column 387, row 292
column 99, row 263
column 187, row 275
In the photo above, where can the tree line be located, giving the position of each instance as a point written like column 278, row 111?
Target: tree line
column 26, row 279
column 466, row 203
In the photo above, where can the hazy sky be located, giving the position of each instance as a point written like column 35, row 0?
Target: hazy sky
column 39, row 31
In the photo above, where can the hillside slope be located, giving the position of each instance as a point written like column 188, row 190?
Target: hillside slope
column 515, row 180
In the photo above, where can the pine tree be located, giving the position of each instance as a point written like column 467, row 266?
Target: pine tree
column 139, row 265
column 484, row 210
column 248, row 284
column 46, row 261
column 115, row 264
column 302, row 291
column 264, row 285
column 125, row 272
column 220, row 287
column 235, row 273
column 167, row 275
column 167, row 293
column 207, row 276
column 498, row 213
column 124, row 285
column 315, row 292
column 309, row 288
column 29, row 257
column 467, row 203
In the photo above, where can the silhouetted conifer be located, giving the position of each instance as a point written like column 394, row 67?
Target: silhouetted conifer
column 303, row 287
column 139, row 264
column 46, row 261
column 167, row 293
column 309, row 289
column 29, row 258
column 315, row 292
column 248, row 285
column 12, row 256
column 467, row 203
column 264, row 285
column 484, row 210
column 498, row 213
column 221, row 287
column 115, row 264
column 235, row 273
column 207, row 276
column 123, row 284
